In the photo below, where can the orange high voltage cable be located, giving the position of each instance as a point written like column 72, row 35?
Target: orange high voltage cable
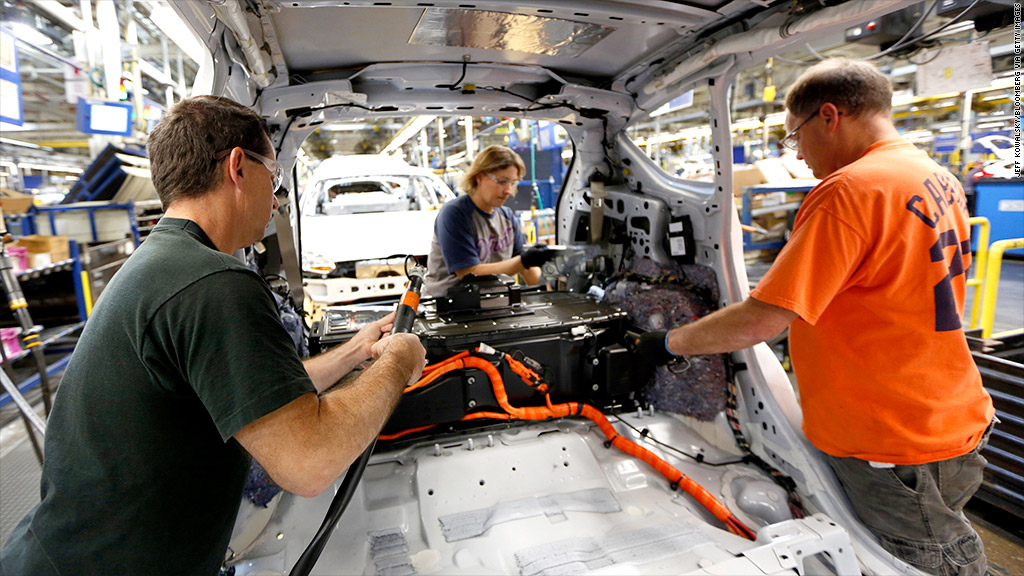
column 531, row 378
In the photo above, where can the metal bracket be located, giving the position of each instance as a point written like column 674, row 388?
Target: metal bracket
column 787, row 544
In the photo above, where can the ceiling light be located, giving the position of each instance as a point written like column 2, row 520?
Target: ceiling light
column 174, row 27
column 346, row 127
column 746, row 124
column 50, row 167
column 410, row 130
column 13, row 142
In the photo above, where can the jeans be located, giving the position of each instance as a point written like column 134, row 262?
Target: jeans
column 916, row 511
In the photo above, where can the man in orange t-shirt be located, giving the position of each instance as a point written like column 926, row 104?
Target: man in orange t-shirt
column 871, row 284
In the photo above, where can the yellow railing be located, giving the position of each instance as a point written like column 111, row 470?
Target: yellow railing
column 980, row 258
column 991, row 287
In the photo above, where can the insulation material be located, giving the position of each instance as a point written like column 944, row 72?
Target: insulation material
column 658, row 297
column 390, row 553
column 585, row 555
column 503, row 31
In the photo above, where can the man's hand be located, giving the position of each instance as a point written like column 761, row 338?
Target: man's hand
column 404, row 349
column 651, row 349
column 536, row 255
column 370, row 334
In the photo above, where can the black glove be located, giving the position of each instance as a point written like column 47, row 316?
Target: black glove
column 536, row 255
column 651, row 349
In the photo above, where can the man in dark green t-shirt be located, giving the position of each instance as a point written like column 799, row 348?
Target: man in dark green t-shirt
column 184, row 370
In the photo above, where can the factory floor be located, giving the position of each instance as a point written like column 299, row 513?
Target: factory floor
column 1002, row 533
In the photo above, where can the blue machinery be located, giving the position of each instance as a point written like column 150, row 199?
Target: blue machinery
column 83, row 297
column 29, row 225
column 51, row 336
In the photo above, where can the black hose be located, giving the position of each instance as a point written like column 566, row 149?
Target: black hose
column 337, row 507
column 404, row 317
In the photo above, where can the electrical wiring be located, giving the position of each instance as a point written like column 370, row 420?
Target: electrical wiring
column 645, row 434
column 676, row 478
column 903, row 43
column 292, row 117
column 455, row 85
column 796, row 506
column 405, row 263
column 903, row 40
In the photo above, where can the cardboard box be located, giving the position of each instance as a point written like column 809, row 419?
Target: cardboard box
column 773, row 170
column 746, row 176
column 770, row 199
column 14, row 202
column 56, row 246
column 797, row 168
column 769, row 228
column 767, row 171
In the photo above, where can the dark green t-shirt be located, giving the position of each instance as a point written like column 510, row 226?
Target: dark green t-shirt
column 142, row 474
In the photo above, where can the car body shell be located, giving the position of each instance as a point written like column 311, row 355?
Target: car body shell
column 594, row 68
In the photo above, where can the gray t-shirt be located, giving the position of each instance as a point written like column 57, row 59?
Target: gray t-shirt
column 142, row 473
column 464, row 236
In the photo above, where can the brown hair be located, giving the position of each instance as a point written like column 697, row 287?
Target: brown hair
column 182, row 146
column 491, row 159
column 854, row 85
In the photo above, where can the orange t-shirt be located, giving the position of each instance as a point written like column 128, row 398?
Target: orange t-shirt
column 876, row 269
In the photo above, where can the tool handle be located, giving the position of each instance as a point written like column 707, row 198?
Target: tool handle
column 405, row 313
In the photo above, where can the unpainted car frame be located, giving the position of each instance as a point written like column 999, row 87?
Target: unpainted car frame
column 253, row 48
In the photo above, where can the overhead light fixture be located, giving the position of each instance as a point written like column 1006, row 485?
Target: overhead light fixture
column 49, row 167
column 346, row 127
column 30, row 35
column 987, row 125
column 12, row 142
column 907, row 98
column 174, row 27
column 919, row 135
column 411, row 129
column 950, row 129
column 746, row 124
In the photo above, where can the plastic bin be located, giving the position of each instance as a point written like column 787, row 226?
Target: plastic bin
column 11, row 343
column 20, row 255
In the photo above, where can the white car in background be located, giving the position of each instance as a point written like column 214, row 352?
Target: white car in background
column 359, row 212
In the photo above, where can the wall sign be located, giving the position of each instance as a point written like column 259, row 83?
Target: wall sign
column 104, row 117
column 11, row 110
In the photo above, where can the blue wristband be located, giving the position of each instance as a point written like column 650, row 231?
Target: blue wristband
column 667, row 349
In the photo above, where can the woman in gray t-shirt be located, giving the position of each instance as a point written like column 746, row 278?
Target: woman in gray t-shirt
column 476, row 233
